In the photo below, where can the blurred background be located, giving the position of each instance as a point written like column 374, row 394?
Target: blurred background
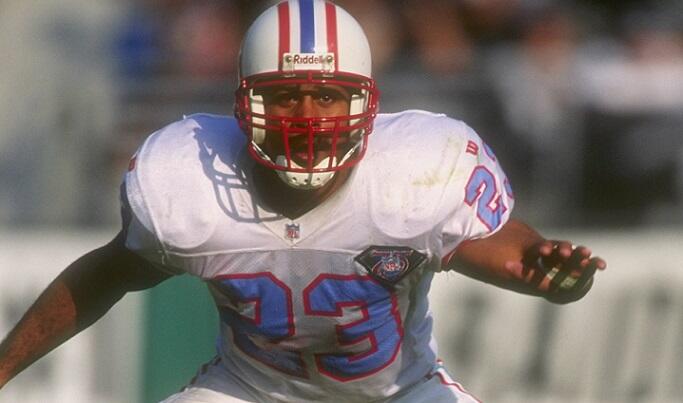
column 581, row 100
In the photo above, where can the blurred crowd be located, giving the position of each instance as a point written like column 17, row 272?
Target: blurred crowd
column 582, row 100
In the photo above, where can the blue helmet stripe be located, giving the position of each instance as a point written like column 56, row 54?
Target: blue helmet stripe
column 306, row 17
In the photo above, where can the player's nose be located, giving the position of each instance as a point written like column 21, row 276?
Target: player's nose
column 306, row 108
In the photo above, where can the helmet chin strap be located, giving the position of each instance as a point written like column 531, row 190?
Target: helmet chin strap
column 305, row 180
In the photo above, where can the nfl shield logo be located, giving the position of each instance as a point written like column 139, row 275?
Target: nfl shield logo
column 389, row 264
column 292, row 231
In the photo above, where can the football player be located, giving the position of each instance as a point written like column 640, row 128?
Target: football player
column 317, row 224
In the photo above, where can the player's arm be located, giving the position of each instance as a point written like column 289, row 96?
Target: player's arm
column 520, row 259
column 77, row 298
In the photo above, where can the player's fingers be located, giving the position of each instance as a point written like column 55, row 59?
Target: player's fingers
column 578, row 259
column 540, row 280
column 535, row 263
column 546, row 248
column 561, row 251
column 554, row 264
column 600, row 263
column 571, row 280
column 564, row 249
column 581, row 259
column 531, row 275
column 588, row 272
column 541, row 249
column 532, row 259
column 570, row 269
column 556, row 277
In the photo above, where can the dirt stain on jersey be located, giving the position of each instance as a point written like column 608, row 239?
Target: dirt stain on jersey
column 440, row 175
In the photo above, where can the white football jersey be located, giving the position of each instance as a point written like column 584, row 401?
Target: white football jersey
column 333, row 303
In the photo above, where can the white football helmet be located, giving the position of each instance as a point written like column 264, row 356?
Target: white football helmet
column 299, row 42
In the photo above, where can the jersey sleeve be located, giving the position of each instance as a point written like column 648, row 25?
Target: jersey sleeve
column 480, row 192
column 138, row 227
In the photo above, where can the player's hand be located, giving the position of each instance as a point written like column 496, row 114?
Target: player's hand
column 558, row 270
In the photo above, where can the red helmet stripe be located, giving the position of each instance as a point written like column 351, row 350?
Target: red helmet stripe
column 283, row 25
column 331, row 20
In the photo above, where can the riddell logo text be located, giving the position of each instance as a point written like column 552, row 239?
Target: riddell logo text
column 311, row 61
column 308, row 59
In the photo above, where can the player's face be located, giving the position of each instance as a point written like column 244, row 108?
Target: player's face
column 308, row 101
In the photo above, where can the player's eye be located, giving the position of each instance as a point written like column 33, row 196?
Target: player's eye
column 329, row 96
column 325, row 98
column 285, row 98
